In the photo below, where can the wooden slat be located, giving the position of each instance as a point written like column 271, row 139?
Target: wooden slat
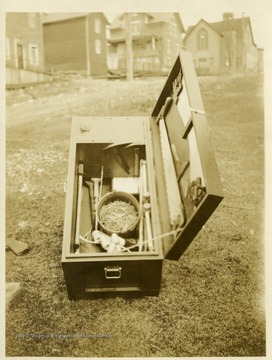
column 191, row 81
column 208, row 162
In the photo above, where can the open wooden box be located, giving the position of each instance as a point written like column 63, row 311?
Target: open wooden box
column 171, row 150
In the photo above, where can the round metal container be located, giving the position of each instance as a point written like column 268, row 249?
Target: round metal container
column 121, row 196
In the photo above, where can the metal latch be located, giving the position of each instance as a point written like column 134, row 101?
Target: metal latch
column 112, row 272
column 197, row 191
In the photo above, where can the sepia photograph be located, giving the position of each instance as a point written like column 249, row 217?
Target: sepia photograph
column 134, row 197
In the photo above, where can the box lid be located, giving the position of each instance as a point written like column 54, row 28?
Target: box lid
column 184, row 152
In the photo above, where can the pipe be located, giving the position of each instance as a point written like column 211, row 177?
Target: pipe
column 79, row 200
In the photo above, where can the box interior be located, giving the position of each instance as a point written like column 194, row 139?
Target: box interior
column 113, row 167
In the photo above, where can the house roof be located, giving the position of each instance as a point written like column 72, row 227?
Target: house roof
column 56, row 17
column 225, row 26
column 165, row 17
column 191, row 28
column 154, row 18
column 233, row 24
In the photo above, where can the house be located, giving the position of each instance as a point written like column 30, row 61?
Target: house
column 156, row 38
column 76, row 42
column 24, row 49
column 222, row 47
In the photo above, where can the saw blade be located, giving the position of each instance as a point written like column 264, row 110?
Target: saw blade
column 175, row 206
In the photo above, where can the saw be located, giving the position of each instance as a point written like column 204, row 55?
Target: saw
column 175, row 206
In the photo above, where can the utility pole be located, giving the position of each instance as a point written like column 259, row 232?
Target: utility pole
column 129, row 47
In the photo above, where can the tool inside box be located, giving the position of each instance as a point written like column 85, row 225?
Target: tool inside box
column 106, row 168
column 183, row 180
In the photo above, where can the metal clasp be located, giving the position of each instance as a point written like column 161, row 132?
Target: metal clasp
column 112, row 272
column 197, row 191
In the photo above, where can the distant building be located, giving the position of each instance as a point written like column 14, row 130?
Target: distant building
column 156, row 39
column 75, row 42
column 222, row 47
column 24, row 48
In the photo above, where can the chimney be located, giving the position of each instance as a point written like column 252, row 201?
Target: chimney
column 228, row 16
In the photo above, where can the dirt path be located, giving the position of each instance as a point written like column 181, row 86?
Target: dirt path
column 110, row 92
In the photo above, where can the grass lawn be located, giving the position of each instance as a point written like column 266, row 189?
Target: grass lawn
column 211, row 301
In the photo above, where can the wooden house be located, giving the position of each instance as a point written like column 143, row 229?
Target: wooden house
column 222, row 47
column 76, row 42
column 156, row 38
column 24, row 48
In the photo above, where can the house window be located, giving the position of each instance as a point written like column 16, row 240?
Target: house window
column 202, row 39
column 203, row 63
column 135, row 28
column 139, row 64
column 97, row 26
column 227, row 62
column 112, row 49
column 7, row 49
column 97, row 46
column 153, row 44
column 31, row 19
column 33, row 54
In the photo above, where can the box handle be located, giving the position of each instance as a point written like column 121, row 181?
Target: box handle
column 113, row 272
